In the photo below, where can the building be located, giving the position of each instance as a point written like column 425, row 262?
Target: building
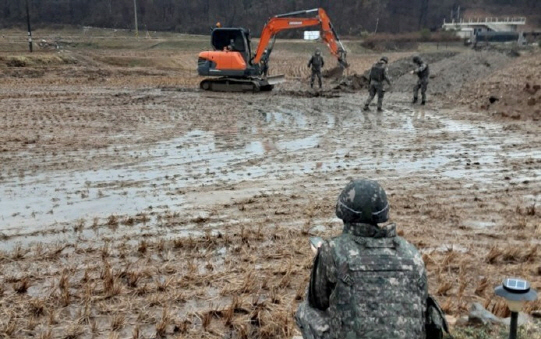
column 499, row 29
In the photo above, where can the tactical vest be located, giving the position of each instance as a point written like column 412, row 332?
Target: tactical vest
column 380, row 291
column 317, row 61
column 378, row 72
column 424, row 74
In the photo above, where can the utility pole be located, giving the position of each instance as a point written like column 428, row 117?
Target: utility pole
column 29, row 29
column 135, row 13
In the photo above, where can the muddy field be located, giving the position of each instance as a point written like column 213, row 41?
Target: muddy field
column 134, row 205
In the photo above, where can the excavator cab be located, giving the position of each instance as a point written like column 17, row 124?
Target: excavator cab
column 231, row 56
column 232, row 39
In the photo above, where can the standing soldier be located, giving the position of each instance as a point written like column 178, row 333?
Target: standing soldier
column 378, row 74
column 317, row 63
column 422, row 72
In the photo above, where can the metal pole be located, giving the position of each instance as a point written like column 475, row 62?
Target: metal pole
column 135, row 13
column 29, row 29
column 513, row 330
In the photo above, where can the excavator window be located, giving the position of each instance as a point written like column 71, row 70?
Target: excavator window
column 235, row 38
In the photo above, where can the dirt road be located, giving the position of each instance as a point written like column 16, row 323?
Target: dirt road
column 162, row 210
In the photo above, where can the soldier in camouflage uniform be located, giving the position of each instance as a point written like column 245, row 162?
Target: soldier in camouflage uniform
column 422, row 72
column 317, row 63
column 368, row 282
column 378, row 74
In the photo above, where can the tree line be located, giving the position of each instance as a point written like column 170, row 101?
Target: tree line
column 350, row 17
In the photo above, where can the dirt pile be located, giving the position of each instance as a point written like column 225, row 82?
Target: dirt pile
column 514, row 91
column 449, row 74
column 333, row 73
column 352, row 83
column 396, row 70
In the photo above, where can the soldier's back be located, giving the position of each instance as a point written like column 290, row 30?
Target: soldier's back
column 380, row 290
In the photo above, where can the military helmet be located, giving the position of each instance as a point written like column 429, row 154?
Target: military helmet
column 363, row 201
column 417, row 59
column 317, row 51
column 384, row 59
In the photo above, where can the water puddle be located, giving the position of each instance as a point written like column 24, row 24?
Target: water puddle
column 288, row 144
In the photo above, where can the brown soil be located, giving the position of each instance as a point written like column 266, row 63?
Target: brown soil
column 134, row 205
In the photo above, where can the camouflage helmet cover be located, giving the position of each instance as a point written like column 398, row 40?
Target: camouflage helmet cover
column 317, row 51
column 384, row 59
column 417, row 59
column 363, row 201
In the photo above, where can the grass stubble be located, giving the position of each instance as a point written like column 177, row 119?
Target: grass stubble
column 242, row 282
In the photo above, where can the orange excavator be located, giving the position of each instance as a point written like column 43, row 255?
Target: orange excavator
column 238, row 70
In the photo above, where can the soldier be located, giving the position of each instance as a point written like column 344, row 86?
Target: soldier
column 423, row 73
column 378, row 74
column 317, row 63
column 368, row 282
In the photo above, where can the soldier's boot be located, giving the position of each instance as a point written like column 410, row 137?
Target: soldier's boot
column 422, row 102
column 380, row 109
column 311, row 85
column 366, row 108
column 414, row 100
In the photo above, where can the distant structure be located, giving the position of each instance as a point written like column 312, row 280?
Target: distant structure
column 487, row 29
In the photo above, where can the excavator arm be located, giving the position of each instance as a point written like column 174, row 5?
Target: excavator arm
column 293, row 20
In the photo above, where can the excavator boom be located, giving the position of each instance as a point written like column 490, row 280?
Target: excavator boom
column 291, row 21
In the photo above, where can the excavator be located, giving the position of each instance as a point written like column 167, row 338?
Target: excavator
column 238, row 70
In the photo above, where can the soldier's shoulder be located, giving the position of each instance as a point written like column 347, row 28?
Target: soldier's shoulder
column 406, row 246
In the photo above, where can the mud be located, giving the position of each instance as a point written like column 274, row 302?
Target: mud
column 137, row 204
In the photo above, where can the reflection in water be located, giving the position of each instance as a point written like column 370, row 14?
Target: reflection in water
column 379, row 118
column 369, row 117
column 419, row 112
column 367, row 123
column 273, row 145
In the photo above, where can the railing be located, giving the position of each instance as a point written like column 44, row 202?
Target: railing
column 488, row 20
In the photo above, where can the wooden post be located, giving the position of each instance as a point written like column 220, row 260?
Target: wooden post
column 29, row 29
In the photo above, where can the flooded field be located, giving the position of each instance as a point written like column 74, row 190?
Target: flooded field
column 136, row 210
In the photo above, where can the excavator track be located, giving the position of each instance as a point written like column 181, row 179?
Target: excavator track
column 235, row 85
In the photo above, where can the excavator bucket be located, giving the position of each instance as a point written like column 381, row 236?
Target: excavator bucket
column 276, row 79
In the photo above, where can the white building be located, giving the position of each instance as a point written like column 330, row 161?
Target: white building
column 468, row 28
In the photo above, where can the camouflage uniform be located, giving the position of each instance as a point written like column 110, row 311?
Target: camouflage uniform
column 317, row 63
column 422, row 72
column 378, row 74
column 366, row 283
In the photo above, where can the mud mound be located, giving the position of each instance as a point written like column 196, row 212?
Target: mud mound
column 20, row 61
column 352, row 83
column 403, row 66
column 449, row 74
column 396, row 70
column 333, row 73
column 511, row 92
